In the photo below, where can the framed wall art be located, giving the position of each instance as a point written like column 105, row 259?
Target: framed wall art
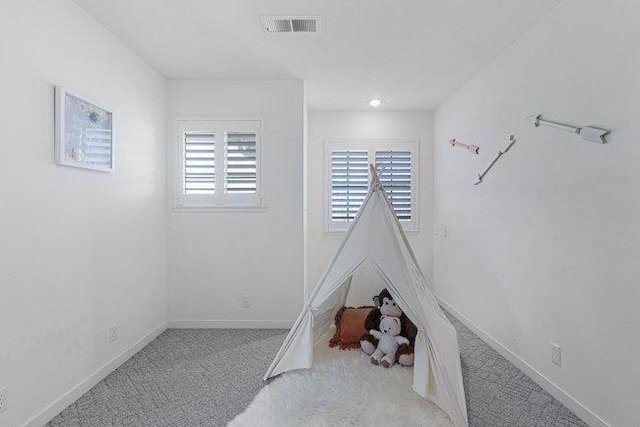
column 83, row 132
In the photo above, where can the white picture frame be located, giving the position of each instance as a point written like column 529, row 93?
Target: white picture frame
column 83, row 132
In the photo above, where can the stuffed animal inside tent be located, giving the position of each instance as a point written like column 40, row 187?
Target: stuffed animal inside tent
column 388, row 341
column 386, row 306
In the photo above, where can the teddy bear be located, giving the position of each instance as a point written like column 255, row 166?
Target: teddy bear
column 388, row 341
column 386, row 306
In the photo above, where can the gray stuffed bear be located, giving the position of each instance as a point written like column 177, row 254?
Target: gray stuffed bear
column 389, row 340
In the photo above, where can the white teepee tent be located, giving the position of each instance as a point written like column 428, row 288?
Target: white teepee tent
column 376, row 237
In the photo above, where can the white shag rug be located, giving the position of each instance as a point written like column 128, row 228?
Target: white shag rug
column 342, row 388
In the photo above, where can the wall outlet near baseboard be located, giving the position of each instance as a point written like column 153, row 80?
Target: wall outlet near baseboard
column 556, row 354
column 113, row 333
column 246, row 301
column 3, row 399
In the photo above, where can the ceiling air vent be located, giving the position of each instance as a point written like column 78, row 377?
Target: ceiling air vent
column 291, row 24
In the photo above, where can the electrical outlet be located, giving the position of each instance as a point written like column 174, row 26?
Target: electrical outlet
column 3, row 399
column 113, row 333
column 556, row 354
column 246, row 301
column 445, row 231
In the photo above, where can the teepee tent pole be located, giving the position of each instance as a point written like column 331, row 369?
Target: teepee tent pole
column 375, row 179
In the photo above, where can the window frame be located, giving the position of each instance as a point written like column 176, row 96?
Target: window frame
column 371, row 145
column 220, row 200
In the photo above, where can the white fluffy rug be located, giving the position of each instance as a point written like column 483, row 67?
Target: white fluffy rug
column 342, row 388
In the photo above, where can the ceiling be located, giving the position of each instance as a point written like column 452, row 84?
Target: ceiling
column 411, row 53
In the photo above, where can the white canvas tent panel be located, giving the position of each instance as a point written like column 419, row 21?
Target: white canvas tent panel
column 376, row 238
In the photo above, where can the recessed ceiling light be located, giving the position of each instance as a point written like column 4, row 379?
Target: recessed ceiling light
column 375, row 102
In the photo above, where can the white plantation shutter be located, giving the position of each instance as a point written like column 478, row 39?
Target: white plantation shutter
column 218, row 164
column 199, row 163
column 241, row 163
column 349, row 183
column 348, row 178
column 394, row 169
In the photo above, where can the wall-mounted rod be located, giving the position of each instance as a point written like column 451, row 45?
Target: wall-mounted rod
column 472, row 148
column 512, row 140
column 590, row 133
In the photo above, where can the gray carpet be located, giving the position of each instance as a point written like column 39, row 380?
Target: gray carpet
column 499, row 394
column 205, row 377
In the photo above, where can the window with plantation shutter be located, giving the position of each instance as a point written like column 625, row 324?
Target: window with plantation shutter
column 348, row 178
column 218, row 164
column 349, row 183
column 241, row 163
column 199, row 163
column 395, row 175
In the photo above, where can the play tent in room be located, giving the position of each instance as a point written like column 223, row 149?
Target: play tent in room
column 376, row 238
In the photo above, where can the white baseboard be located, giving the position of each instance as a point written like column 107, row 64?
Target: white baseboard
column 231, row 324
column 565, row 398
column 67, row 399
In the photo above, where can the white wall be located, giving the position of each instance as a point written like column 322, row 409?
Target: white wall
column 79, row 250
column 548, row 247
column 327, row 125
column 216, row 257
